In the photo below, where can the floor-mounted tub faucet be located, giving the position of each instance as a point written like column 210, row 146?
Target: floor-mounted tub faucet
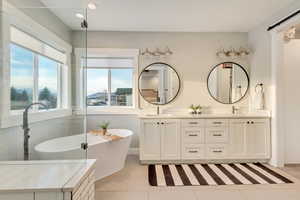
column 26, row 128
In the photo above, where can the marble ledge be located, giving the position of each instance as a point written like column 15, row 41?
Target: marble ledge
column 46, row 176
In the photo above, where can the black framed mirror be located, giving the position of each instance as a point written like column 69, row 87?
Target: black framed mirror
column 159, row 83
column 228, row 82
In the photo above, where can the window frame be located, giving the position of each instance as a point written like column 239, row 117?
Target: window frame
column 81, row 75
column 36, row 30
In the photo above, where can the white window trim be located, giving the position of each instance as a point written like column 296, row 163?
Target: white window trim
column 27, row 24
column 81, row 84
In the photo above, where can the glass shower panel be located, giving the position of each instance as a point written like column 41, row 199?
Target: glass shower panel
column 40, row 74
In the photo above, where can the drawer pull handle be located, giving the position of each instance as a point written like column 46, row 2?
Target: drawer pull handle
column 217, row 151
column 217, row 122
column 217, row 135
column 193, row 122
column 193, row 151
column 193, row 135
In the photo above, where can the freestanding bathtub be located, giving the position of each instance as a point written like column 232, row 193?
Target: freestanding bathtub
column 110, row 155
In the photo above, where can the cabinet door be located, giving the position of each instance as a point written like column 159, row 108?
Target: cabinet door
column 237, row 138
column 17, row 196
column 150, row 140
column 258, row 139
column 170, row 139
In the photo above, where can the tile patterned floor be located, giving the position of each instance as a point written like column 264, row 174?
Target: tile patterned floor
column 131, row 184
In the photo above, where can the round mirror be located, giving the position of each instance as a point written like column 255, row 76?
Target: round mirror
column 228, row 82
column 159, row 83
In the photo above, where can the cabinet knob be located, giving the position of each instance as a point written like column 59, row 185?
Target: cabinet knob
column 157, row 123
column 252, row 122
column 248, row 122
column 162, row 123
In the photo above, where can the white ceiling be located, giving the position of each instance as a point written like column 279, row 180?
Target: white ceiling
column 170, row 15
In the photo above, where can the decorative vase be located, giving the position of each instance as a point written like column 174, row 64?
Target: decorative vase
column 104, row 131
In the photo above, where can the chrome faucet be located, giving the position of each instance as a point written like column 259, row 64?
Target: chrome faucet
column 27, row 129
column 234, row 109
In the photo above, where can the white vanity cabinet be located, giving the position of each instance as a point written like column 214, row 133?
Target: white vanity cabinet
column 160, row 139
column 188, row 140
column 192, row 139
column 170, row 139
column 250, row 139
column 150, row 139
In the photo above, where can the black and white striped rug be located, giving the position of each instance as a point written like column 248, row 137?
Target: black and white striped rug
column 214, row 174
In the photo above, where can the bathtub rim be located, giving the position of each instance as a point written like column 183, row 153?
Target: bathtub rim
column 39, row 149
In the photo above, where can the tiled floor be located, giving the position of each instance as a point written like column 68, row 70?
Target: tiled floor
column 131, row 184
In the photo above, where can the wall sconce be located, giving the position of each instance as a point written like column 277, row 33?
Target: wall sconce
column 157, row 52
column 233, row 53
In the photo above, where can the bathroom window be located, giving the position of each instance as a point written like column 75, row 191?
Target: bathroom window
column 35, row 72
column 110, row 82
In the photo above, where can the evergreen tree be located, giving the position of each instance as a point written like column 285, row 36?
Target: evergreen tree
column 24, row 96
column 13, row 94
column 45, row 94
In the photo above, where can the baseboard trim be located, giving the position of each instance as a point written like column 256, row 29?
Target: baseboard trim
column 133, row 151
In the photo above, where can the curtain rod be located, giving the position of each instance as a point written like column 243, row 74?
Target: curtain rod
column 284, row 20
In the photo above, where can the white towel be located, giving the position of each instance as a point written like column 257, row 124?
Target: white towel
column 259, row 100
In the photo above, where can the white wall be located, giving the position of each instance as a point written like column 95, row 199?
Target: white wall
column 194, row 56
column 260, row 41
column 11, row 139
column 37, row 11
column 292, row 100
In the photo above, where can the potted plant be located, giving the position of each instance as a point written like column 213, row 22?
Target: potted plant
column 195, row 109
column 104, row 127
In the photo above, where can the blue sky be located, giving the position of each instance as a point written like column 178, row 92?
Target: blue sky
column 22, row 70
column 97, row 79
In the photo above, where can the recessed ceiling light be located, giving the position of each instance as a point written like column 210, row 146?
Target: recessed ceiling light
column 79, row 15
column 92, row 6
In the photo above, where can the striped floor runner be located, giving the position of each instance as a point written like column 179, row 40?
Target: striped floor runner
column 214, row 174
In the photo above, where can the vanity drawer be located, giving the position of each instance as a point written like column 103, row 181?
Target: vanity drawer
column 193, row 151
column 192, row 122
column 216, row 122
column 216, row 135
column 193, row 135
column 216, row 151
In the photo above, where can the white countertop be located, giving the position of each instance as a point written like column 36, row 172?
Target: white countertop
column 47, row 175
column 205, row 116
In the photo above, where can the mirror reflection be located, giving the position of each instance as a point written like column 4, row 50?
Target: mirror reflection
column 159, row 83
column 228, row 82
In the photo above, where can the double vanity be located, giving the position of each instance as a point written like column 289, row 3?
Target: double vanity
column 204, row 138
column 187, row 138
